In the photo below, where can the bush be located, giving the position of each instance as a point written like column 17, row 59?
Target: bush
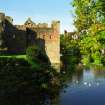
column 32, row 52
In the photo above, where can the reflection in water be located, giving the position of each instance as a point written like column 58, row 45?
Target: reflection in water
column 30, row 92
column 88, row 88
column 22, row 85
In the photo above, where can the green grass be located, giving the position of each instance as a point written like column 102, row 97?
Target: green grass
column 15, row 56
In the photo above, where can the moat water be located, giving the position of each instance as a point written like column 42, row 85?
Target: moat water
column 84, row 88
column 81, row 87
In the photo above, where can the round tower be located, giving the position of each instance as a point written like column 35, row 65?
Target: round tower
column 56, row 25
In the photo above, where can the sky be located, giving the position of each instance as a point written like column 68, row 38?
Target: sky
column 40, row 11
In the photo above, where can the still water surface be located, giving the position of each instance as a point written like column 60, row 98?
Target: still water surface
column 85, row 87
column 27, row 87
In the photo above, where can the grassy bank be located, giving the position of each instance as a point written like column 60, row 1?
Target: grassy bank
column 13, row 56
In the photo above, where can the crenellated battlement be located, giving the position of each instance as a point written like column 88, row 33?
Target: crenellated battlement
column 20, row 27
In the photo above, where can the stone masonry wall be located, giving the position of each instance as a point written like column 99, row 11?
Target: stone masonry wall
column 19, row 37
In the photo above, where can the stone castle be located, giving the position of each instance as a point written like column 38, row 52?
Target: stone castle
column 16, row 39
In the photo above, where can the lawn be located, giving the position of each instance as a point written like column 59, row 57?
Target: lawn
column 16, row 56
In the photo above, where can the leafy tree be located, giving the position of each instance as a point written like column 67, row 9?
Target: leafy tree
column 36, row 56
column 32, row 52
column 90, row 24
column 70, row 51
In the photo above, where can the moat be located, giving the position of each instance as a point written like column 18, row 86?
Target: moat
column 20, row 85
column 84, row 88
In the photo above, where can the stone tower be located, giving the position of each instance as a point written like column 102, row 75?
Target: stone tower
column 56, row 25
column 2, row 28
column 53, row 45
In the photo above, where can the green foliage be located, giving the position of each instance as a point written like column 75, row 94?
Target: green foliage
column 97, row 58
column 84, row 14
column 85, row 60
column 32, row 56
column 32, row 52
column 67, row 44
column 90, row 23
column 36, row 57
column 70, row 52
column 19, row 79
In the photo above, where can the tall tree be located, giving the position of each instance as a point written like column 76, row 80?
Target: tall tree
column 90, row 24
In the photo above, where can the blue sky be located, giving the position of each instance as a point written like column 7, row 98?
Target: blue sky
column 39, row 11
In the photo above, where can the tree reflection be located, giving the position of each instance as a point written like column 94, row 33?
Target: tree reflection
column 22, row 85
